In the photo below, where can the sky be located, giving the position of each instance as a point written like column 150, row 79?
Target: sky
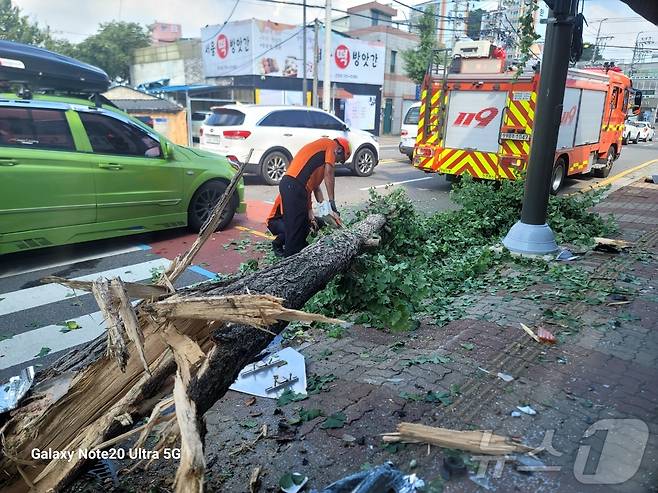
column 76, row 24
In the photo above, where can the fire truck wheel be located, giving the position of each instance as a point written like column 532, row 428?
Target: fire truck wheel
column 559, row 173
column 609, row 161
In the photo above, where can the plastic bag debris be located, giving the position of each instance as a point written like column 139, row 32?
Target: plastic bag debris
column 566, row 256
column 527, row 410
column 376, row 480
column 14, row 390
column 505, row 377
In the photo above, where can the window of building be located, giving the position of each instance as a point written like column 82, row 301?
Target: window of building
column 107, row 135
column 375, row 17
column 35, row 129
column 394, row 55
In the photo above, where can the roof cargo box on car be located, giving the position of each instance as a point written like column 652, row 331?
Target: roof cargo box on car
column 41, row 69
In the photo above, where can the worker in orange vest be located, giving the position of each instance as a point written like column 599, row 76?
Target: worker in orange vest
column 291, row 216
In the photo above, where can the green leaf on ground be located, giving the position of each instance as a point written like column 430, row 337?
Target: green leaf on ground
column 305, row 415
column 69, row 326
column 44, row 351
column 336, row 420
column 469, row 346
column 289, row 396
column 249, row 423
column 394, row 448
column 421, row 360
column 319, row 383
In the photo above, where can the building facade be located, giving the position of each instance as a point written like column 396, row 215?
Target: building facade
column 374, row 22
column 178, row 62
column 503, row 25
column 451, row 19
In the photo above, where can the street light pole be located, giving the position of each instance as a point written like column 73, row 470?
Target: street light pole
column 316, row 60
column 304, row 88
column 326, row 56
column 531, row 235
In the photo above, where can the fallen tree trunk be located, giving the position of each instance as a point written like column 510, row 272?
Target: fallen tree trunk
column 85, row 401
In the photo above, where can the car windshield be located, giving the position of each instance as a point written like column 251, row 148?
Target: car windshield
column 224, row 117
column 412, row 116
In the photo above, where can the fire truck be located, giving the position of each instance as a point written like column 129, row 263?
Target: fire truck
column 476, row 117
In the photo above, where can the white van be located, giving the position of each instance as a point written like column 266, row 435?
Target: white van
column 409, row 130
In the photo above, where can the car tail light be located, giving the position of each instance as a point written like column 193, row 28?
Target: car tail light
column 201, row 132
column 233, row 161
column 404, row 133
column 424, row 151
column 237, row 134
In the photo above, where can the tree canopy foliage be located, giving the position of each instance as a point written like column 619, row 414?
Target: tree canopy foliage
column 111, row 48
column 416, row 59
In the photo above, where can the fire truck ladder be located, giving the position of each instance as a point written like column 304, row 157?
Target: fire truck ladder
column 434, row 99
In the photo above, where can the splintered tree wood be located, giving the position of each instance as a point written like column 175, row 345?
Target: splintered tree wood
column 99, row 392
column 477, row 441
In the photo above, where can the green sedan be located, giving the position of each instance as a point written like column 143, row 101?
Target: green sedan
column 72, row 172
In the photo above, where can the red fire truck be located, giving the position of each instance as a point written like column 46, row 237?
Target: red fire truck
column 477, row 118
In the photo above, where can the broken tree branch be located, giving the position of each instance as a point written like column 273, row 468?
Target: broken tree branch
column 84, row 414
column 477, row 441
column 179, row 264
column 133, row 289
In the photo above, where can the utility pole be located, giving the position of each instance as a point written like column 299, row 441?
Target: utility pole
column 531, row 235
column 304, row 89
column 326, row 82
column 316, row 60
column 638, row 52
column 596, row 43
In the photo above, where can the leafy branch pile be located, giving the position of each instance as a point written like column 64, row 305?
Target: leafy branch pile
column 424, row 262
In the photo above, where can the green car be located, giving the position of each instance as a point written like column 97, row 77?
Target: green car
column 71, row 171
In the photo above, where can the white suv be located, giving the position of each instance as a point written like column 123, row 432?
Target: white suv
column 277, row 133
column 409, row 131
column 631, row 133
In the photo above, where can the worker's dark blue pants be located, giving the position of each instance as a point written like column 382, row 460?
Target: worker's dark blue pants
column 292, row 229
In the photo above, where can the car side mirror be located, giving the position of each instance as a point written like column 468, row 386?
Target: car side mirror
column 345, row 128
column 167, row 149
column 637, row 102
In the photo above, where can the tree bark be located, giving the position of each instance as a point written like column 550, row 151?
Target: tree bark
column 85, row 415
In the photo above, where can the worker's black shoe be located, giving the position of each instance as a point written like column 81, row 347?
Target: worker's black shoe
column 277, row 249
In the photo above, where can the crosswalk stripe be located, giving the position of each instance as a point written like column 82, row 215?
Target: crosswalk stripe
column 24, row 299
column 27, row 345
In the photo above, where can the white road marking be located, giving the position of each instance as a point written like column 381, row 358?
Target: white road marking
column 397, row 183
column 25, row 299
column 27, row 346
column 18, row 269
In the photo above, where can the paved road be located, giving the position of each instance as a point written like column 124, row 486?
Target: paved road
column 32, row 314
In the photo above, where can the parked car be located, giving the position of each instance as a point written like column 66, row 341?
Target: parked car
column 631, row 133
column 197, row 118
column 277, row 133
column 647, row 132
column 73, row 172
column 409, row 131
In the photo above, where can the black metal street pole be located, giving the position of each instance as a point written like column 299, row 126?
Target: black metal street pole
column 531, row 235
column 304, row 89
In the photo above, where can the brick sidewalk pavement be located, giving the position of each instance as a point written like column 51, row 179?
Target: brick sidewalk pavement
column 595, row 392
